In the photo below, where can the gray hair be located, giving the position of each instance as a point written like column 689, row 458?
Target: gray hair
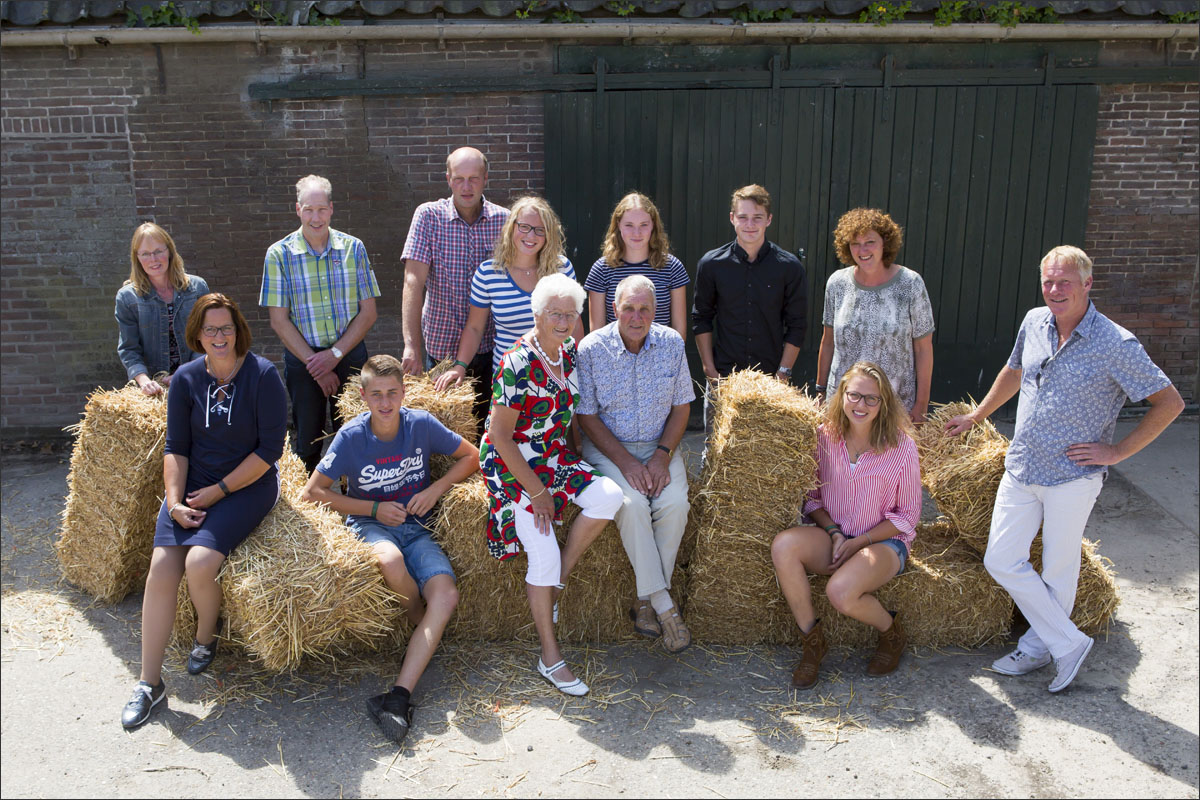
column 557, row 285
column 1072, row 255
column 635, row 283
column 314, row 182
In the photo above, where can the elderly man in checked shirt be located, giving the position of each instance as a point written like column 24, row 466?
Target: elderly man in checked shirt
column 1074, row 368
column 635, row 391
column 320, row 291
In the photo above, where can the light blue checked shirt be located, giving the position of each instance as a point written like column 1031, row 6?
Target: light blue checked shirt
column 321, row 289
column 1072, row 394
column 633, row 393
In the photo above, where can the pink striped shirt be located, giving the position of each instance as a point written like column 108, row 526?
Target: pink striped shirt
column 883, row 486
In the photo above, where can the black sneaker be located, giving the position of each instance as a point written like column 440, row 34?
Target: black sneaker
column 145, row 698
column 393, row 712
column 202, row 655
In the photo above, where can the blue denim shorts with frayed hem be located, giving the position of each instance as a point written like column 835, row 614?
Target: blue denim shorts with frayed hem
column 901, row 550
column 422, row 556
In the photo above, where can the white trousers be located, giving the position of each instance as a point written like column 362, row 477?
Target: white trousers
column 651, row 528
column 600, row 500
column 1046, row 600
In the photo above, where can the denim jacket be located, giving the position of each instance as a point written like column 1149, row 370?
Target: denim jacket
column 142, row 341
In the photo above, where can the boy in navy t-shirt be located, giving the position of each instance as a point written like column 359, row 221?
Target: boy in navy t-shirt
column 384, row 456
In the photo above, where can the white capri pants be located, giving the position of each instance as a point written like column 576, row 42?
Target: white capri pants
column 600, row 500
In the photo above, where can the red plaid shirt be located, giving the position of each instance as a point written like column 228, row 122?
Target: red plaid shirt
column 453, row 249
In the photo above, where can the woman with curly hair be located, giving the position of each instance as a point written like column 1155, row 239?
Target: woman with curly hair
column 861, row 519
column 877, row 310
column 529, row 248
column 637, row 244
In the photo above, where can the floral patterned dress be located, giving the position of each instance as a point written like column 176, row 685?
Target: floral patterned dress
column 545, row 409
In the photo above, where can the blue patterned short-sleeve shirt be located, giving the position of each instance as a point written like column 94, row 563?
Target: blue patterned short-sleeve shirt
column 1073, row 394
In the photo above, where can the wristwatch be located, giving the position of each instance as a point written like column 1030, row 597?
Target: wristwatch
column 784, row 371
column 336, row 353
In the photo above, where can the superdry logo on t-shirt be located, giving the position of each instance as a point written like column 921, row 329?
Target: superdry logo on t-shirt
column 390, row 478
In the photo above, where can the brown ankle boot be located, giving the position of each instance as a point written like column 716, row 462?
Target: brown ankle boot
column 814, row 649
column 890, row 648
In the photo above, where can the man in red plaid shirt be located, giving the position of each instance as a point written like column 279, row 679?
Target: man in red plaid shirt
column 448, row 239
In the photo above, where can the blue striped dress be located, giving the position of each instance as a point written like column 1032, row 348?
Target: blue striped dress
column 603, row 278
column 509, row 304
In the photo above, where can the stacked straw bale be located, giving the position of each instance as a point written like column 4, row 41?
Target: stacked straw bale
column 302, row 584
column 492, row 603
column 454, row 407
column 761, row 462
column 945, row 598
column 115, row 489
column 962, row 473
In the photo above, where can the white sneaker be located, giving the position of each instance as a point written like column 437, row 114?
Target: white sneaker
column 1068, row 665
column 1018, row 662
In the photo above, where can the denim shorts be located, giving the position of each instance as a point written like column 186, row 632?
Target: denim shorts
column 901, row 550
column 422, row 555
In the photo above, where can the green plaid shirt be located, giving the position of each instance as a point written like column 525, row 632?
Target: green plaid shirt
column 322, row 290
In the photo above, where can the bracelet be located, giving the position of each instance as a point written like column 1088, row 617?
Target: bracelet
column 539, row 494
column 462, row 364
column 869, row 539
column 221, row 485
column 820, row 389
column 375, row 509
column 666, row 450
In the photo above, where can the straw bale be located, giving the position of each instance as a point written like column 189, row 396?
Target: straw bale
column 759, row 466
column 114, row 491
column 962, row 473
column 454, row 408
column 492, row 603
column 1096, row 598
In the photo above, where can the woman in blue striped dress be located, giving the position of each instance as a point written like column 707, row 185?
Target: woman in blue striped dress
column 636, row 244
column 530, row 247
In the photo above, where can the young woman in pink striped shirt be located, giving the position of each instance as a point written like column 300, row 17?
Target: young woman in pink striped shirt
column 864, row 514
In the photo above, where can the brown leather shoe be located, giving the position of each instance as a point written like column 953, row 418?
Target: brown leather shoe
column 643, row 620
column 890, row 648
column 814, row 649
column 675, row 635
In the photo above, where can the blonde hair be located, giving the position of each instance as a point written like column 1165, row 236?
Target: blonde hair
column 550, row 257
column 137, row 275
column 889, row 423
column 1071, row 255
column 614, row 245
column 381, row 365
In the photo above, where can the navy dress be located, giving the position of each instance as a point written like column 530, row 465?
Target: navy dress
column 216, row 433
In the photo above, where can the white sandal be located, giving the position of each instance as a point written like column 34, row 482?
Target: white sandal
column 554, row 611
column 575, row 688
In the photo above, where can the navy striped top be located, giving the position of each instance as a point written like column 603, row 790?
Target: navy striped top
column 603, row 278
column 510, row 305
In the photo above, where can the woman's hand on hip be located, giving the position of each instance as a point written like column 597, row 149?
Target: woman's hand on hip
column 205, row 497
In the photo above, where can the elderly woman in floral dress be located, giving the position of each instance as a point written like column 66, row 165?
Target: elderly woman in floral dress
column 531, row 472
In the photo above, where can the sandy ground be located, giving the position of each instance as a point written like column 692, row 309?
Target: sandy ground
column 714, row 722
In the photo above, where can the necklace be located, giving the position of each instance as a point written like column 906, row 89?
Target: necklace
column 538, row 346
column 222, row 381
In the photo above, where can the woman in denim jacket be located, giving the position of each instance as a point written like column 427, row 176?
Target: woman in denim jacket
column 153, row 308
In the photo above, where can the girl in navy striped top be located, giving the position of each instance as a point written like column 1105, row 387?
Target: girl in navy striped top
column 636, row 244
column 863, row 514
column 530, row 247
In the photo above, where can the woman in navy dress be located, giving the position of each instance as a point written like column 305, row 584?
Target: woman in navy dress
column 226, row 415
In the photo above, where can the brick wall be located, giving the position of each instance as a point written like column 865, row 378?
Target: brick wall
column 90, row 146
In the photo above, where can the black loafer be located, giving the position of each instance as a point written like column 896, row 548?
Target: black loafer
column 393, row 713
column 202, row 655
column 145, row 698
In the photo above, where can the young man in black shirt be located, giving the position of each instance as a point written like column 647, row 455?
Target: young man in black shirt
column 753, row 293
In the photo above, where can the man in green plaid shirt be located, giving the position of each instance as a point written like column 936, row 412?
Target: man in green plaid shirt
column 319, row 287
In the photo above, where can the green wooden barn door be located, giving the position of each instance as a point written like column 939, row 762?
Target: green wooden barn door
column 984, row 180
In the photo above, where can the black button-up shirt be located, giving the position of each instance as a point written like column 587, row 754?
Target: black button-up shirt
column 756, row 307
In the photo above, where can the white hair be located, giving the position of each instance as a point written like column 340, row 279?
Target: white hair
column 1071, row 255
column 557, row 285
column 309, row 182
column 633, row 284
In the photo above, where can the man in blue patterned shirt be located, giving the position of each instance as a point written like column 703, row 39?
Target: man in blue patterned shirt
column 635, row 392
column 1074, row 369
column 320, row 291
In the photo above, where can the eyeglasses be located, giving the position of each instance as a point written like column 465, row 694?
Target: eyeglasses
column 871, row 400
column 211, row 330
column 523, row 228
column 568, row 317
column 159, row 253
column 1037, row 379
